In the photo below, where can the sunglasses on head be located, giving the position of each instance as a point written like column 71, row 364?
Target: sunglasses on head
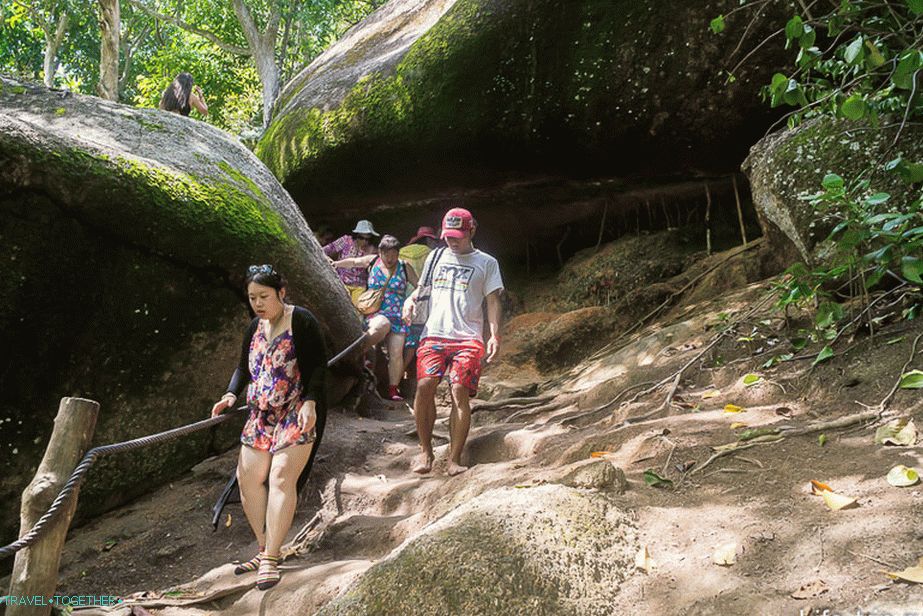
column 260, row 269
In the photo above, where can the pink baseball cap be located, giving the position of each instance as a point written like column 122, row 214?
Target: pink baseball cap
column 457, row 222
column 423, row 232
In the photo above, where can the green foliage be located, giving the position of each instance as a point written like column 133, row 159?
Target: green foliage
column 870, row 239
column 154, row 51
column 858, row 60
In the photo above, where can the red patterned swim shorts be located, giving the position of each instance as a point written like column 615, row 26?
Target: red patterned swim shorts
column 460, row 358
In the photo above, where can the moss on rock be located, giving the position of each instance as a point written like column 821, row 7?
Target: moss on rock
column 125, row 235
column 789, row 165
column 518, row 84
column 545, row 550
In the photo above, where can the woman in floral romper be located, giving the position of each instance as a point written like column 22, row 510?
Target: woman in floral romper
column 282, row 363
column 392, row 274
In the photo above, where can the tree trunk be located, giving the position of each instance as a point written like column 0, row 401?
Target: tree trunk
column 52, row 44
column 35, row 570
column 108, row 86
column 269, row 77
column 262, row 46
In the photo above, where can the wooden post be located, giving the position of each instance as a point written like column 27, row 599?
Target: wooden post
column 707, row 220
column 602, row 226
column 35, row 571
column 740, row 212
column 666, row 214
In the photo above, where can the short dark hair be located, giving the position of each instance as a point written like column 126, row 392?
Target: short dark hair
column 267, row 276
column 389, row 242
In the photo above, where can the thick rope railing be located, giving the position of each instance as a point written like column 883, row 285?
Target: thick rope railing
column 89, row 459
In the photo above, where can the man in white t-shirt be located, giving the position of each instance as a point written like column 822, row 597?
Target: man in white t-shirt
column 452, row 342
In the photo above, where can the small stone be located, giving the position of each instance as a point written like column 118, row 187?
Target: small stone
column 596, row 475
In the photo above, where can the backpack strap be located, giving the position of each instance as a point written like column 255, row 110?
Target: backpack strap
column 428, row 275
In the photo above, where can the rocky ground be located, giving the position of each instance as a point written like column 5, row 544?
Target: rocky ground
column 556, row 504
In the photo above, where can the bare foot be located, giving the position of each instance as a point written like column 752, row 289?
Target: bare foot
column 455, row 469
column 422, row 464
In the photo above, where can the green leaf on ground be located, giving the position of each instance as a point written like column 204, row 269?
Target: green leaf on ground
column 912, row 380
column 822, row 439
column 654, row 480
column 717, row 24
column 753, row 433
column 825, row 354
column 751, row 379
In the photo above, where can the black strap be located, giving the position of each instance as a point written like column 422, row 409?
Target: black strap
column 428, row 276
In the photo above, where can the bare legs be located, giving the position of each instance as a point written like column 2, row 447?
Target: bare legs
column 379, row 330
column 379, row 326
column 287, row 465
column 395, row 358
column 252, row 470
column 270, row 509
column 459, row 424
column 424, row 411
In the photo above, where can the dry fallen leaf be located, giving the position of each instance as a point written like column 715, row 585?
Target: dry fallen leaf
column 726, row 555
column 600, row 454
column 837, row 501
column 818, row 487
column 833, row 500
column 711, row 393
column 900, row 476
column 899, row 431
column 733, row 408
column 643, row 560
column 910, row 574
column 227, row 523
column 738, row 424
column 784, row 411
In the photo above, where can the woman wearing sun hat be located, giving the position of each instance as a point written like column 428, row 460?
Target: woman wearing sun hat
column 360, row 242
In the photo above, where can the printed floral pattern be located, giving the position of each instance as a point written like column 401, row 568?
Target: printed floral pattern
column 393, row 302
column 274, row 394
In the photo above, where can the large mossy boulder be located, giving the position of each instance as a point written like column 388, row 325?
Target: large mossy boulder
column 544, row 550
column 449, row 95
column 124, row 236
column 789, row 166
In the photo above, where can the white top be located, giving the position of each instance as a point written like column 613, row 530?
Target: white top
column 460, row 285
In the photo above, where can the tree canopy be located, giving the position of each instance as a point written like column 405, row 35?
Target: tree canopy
column 239, row 51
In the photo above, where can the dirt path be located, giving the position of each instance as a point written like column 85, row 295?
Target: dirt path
column 792, row 555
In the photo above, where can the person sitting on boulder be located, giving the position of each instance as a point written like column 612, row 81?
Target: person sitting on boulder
column 282, row 363
column 182, row 95
column 462, row 279
column 390, row 273
column 359, row 243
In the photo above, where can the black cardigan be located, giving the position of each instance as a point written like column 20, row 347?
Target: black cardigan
column 310, row 352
